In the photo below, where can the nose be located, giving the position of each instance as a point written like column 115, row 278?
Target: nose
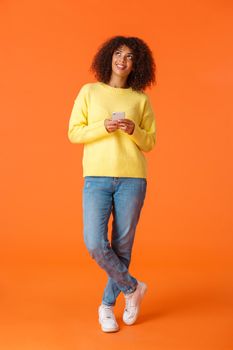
column 122, row 59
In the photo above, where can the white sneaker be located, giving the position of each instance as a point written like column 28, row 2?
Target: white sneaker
column 107, row 319
column 133, row 301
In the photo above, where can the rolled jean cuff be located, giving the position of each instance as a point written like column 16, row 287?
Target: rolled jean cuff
column 131, row 289
column 107, row 304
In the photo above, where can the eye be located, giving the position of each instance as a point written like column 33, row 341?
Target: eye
column 130, row 57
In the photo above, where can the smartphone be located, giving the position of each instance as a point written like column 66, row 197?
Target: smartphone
column 118, row 115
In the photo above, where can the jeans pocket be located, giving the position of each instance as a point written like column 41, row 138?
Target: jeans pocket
column 87, row 184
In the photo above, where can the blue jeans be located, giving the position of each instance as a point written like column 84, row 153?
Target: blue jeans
column 124, row 198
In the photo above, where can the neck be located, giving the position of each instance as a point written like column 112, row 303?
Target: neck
column 117, row 82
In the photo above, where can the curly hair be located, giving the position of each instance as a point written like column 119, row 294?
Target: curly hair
column 143, row 72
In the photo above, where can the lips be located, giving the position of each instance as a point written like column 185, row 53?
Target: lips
column 121, row 66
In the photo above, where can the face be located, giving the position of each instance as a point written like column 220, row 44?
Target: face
column 122, row 61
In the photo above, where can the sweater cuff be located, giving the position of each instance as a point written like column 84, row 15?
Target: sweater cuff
column 136, row 136
column 98, row 129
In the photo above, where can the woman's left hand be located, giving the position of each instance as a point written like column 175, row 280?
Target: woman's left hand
column 126, row 125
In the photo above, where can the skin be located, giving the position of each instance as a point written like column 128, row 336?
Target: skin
column 123, row 56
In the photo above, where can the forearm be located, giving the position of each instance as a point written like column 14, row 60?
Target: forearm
column 145, row 140
column 80, row 133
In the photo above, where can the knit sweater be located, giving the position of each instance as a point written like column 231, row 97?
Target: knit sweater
column 115, row 154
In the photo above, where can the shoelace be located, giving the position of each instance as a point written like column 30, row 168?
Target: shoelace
column 107, row 312
column 128, row 302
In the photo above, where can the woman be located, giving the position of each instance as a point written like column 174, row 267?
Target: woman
column 114, row 167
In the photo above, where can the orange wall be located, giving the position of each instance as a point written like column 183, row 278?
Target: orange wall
column 47, row 47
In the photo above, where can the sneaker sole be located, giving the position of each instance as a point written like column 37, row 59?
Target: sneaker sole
column 107, row 330
column 143, row 292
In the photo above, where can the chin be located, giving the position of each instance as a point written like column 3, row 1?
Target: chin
column 122, row 74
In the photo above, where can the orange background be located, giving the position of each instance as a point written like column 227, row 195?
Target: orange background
column 50, row 287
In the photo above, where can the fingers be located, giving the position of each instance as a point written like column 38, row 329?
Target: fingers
column 125, row 125
column 112, row 128
column 111, row 125
column 124, row 121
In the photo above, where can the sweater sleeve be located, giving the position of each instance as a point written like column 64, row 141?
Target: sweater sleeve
column 79, row 131
column 144, row 135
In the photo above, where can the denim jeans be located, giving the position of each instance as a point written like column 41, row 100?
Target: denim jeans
column 124, row 198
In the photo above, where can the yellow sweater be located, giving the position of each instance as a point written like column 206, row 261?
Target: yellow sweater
column 117, row 153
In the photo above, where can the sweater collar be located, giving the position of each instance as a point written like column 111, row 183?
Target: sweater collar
column 115, row 90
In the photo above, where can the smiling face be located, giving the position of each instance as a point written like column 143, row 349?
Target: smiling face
column 122, row 61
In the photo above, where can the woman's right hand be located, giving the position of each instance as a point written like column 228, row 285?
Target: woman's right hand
column 111, row 125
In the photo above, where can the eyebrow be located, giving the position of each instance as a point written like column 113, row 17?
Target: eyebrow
column 130, row 53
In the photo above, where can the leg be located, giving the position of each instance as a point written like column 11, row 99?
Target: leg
column 97, row 207
column 127, row 204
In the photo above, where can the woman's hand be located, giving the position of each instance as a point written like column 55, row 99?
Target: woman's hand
column 126, row 125
column 111, row 125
